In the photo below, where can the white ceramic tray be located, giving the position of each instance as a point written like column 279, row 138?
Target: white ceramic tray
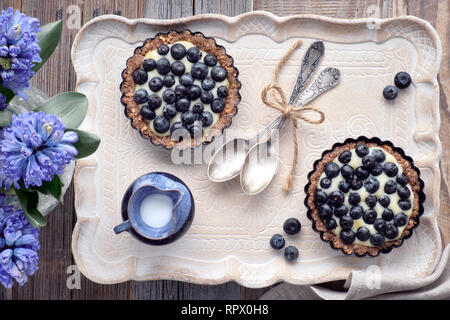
column 229, row 237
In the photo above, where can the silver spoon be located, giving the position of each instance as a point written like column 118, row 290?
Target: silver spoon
column 227, row 161
column 261, row 161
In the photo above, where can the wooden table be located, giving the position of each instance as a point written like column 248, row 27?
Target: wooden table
column 58, row 76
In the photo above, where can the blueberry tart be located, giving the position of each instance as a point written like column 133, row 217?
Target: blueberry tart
column 180, row 88
column 364, row 196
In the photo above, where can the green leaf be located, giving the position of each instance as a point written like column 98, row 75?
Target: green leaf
column 87, row 143
column 5, row 118
column 29, row 201
column 52, row 187
column 48, row 39
column 7, row 93
column 71, row 107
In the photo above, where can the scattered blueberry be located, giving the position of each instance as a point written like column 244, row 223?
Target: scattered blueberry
column 161, row 124
column 402, row 80
column 384, row 200
column 340, row 211
column 291, row 253
column 344, row 186
column 332, row 170
column 355, row 184
column 345, row 156
column 321, row 197
column 155, row 84
column 362, row 150
column 403, row 192
column 371, row 201
column 193, row 54
column 147, row 113
column 140, row 76
column 163, row 49
column 168, row 80
column 149, row 64
column 210, row 60
column 163, row 66
column 170, row 111
column 206, row 97
column 188, row 117
column 369, row 216
column 180, row 91
column 169, row 96
column 378, row 155
column 325, row 212
column 390, row 187
column 206, row 118
column 197, row 107
column 178, row 68
column 200, row 71
column 400, row 219
column 325, row 183
column 354, row 198
column 222, row 92
column 336, row 198
column 217, row 105
column 178, row 51
column 331, row 224
column 390, row 169
column 404, row 204
column 380, row 224
column 390, row 92
column 186, row 80
column 208, row 84
column 363, row 234
column 218, row 73
column 182, row 105
column 141, row 96
column 292, row 226
column 387, row 214
column 154, row 101
column 356, row 212
column 377, row 239
column 194, row 92
column 402, row 180
column 391, row 231
column 347, row 236
column 372, row 185
column 277, row 241
column 362, row 173
column 346, row 222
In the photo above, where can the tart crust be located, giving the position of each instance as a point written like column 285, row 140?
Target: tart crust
column 205, row 44
column 409, row 170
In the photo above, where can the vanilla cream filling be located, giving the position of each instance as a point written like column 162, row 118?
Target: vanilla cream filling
column 188, row 65
column 356, row 162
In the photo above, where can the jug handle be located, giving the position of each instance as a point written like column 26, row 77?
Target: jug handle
column 125, row 226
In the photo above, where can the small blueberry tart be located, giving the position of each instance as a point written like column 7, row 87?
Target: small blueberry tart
column 364, row 196
column 180, row 89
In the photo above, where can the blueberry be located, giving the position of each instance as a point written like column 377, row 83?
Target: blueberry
column 378, row 155
column 346, row 222
column 347, row 172
column 178, row 68
column 147, row 113
column 384, row 200
column 387, row 214
column 169, row 96
column 336, row 198
column 193, row 54
column 188, row 117
column 277, row 241
column 344, row 186
column 331, row 224
column 371, row 201
column 369, row 216
column 177, row 126
column 161, row 124
column 400, row 219
column 208, row 84
column 376, row 170
column 372, row 185
column 140, row 76
column 170, row 111
column 141, row 96
column 292, row 226
column 356, row 212
column 404, row 204
column 321, row 197
column 169, row 80
column 196, row 129
column 163, row 49
column 199, row 71
column 369, row 162
column 361, row 173
column 210, row 60
column 186, row 80
column 402, row 80
column 180, row 91
column 347, row 236
column 332, row 170
column 217, row 105
column 154, row 101
column 206, row 118
column 363, row 234
column 403, row 192
column 155, row 84
column 178, row 51
column 194, row 92
column 325, row 183
column 402, row 180
column 218, row 73
column 222, row 92
column 377, row 239
column 163, row 66
column 355, row 184
column 345, row 156
column 325, row 212
column 354, row 198
column 149, row 64
column 390, row 92
column 291, row 253
column 182, row 105
column 390, row 169
column 198, row 107
column 206, row 97
column 380, row 224
column 340, row 211
column 390, row 187
column 362, row 150
column 391, row 231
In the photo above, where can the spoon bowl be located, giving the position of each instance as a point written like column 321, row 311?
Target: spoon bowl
column 227, row 161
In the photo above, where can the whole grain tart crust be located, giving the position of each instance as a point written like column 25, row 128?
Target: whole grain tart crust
column 409, row 170
column 205, row 44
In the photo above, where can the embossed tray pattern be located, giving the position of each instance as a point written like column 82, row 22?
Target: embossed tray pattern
column 229, row 237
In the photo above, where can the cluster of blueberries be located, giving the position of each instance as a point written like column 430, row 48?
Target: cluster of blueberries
column 179, row 98
column 331, row 206
column 291, row 226
column 402, row 80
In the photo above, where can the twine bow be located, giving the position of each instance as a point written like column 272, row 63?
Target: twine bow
column 280, row 103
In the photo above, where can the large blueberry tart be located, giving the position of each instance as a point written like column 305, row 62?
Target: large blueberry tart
column 180, row 81
column 364, row 196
